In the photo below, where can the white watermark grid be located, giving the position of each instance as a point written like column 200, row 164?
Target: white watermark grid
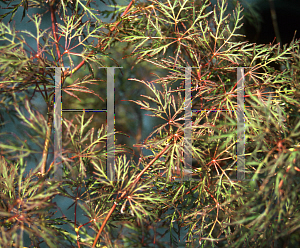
column 110, row 166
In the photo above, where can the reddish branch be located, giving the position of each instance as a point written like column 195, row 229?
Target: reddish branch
column 50, row 104
column 125, row 12
column 93, row 52
column 54, row 31
column 59, row 55
column 124, row 193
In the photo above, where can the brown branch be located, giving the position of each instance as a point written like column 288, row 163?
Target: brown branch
column 47, row 140
column 124, row 193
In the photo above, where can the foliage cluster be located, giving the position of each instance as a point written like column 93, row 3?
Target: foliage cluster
column 214, row 211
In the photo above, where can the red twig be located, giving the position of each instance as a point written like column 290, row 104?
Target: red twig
column 125, row 12
column 104, row 222
column 54, row 30
column 124, row 193
column 111, row 30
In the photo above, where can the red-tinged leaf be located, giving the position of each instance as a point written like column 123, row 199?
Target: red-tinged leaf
column 71, row 94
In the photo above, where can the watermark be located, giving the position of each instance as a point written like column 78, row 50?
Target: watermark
column 110, row 118
column 110, row 166
column 57, row 124
column 240, row 125
column 240, row 146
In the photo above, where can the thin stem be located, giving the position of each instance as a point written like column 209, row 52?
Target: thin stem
column 124, row 193
column 47, row 140
column 54, row 30
column 50, row 105
column 98, row 45
column 153, row 160
column 106, row 219
column 125, row 12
